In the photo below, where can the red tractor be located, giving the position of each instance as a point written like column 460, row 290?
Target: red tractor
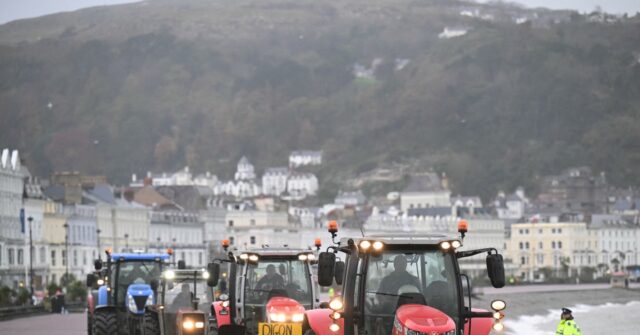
column 266, row 291
column 403, row 285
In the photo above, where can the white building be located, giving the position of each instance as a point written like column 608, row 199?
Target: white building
column 82, row 230
column 425, row 190
column 12, row 240
column 617, row 240
column 274, row 181
column 355, row 198
column 512, row 206
column 245, row 170
column 305, row 157
column 181, row 231
column 182, row 177
column 302, row 184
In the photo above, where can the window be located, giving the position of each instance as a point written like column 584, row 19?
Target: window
column 43, row 255
column 559, row 244
column 527, row 245
column 75, row 258
column 521, row 246
column 64, row 257
column 53, row 258
column 553, row 244
column 84, row 257
column 200, row 257
column 253, row 222
column 559, row 230
column 11, row 256
column 553, row 231
column 522, row 261
column 231, row 239
column 526, row 231
column 230, row 223
column 253, row 240
column 539, row 231
column 520, row 231
column 182, row 256
column 540, row 245
column 20, row 256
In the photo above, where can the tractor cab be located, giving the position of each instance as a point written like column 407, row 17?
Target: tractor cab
column 402, row 284
column 268, row 287
column 183, row 304
column 127, row 283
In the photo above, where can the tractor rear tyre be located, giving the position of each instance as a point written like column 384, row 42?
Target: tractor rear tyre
column 89, row 324
column 105, row 323
column 151, row 324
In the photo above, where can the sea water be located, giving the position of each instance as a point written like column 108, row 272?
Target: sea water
column 614, row 319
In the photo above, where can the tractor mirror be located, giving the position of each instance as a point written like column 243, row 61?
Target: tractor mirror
column 182, row 265
column 326, row 264
column 214, row 274
column 97, row 264
column 91, row 279
column 154, row 283
column 338, row 272
column 495, row 269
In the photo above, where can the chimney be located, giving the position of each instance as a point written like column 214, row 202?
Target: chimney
column 444, row 181
column 134, row 178
column 147, row 181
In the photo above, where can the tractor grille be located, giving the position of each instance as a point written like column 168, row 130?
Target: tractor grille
column 140, row 301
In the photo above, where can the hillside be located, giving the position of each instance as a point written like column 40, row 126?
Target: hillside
column 159, row 84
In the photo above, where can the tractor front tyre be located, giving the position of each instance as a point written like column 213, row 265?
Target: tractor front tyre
column 105, row 323
column 89, row 324
column 151, row 324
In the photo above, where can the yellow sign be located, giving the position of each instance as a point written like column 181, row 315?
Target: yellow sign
column 278, row 328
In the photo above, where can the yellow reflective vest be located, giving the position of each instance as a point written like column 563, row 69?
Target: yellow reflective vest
column 568, row 327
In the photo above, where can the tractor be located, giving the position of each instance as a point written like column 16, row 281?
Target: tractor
column 183, row 304
column 269, row 290
column 403, row 284
column 125, row 285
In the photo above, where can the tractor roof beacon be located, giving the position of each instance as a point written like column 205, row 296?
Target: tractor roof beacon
column 121, row 289
column 266, row 286
column 403, row 284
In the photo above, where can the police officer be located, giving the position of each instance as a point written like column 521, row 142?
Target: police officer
column 567, row 325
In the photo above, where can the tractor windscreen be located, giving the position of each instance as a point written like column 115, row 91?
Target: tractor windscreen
column 278, row 277
column 397, row 277
column 136, row 272
column 184, row 294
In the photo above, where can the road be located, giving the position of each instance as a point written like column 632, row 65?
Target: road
column 50, row 324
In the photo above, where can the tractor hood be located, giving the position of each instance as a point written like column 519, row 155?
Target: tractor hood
column 422, row 319
column 282, row 309
column 138, row 296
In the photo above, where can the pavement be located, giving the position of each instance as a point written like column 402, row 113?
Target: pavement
column 50, row 324
column 548, row 288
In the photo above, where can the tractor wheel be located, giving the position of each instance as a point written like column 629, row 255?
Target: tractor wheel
column 151, row 324
column 105, row 323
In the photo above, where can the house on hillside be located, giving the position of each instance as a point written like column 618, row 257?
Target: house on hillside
column 305, row 157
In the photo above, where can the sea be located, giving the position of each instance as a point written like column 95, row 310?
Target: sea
column 606, row 319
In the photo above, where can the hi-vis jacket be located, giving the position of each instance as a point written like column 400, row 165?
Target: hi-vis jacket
column 568, row 327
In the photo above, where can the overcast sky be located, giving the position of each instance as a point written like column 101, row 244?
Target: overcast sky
column 19, row 9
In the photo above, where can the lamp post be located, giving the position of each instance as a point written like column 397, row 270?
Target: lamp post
column 174, row 249
column 30, row 219
column 158, row 245
column 126, row 242
column 66, row 260
column 98, row 231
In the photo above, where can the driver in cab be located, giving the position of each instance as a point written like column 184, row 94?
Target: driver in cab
column 392, row 283
column 271, row 280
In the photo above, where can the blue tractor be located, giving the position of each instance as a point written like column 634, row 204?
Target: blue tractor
column 124, row 286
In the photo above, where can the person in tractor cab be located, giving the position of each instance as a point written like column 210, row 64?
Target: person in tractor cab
column 392, row 283
column 183, row 299
column 271, row 280
column 567, row 325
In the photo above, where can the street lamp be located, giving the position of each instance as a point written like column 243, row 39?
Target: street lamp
column 66, row 260
column 98, row 231
column 158, row 245
column 174, row 249
column 30, row 219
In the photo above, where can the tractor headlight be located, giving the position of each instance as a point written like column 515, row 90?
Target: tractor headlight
column 188, row 325
column 297, row 317
column 131, row 304
column 336, row 304
column 169, row 274
column 100, row 282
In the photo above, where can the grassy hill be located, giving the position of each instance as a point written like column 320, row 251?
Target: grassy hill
column 159, row 84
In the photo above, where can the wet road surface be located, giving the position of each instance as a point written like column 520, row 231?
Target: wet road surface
column 49, row 324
